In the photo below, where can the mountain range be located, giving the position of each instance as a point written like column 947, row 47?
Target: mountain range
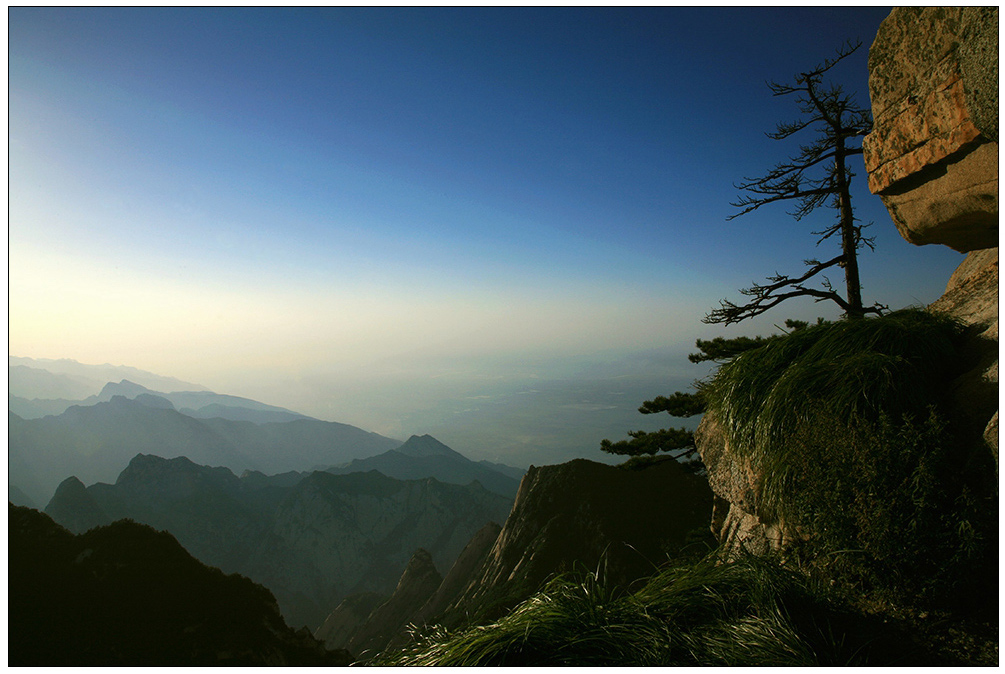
column 94, row 437
column 579, row 517
column 95, row 442
column 312, row 539
column 199, row 404
column 65, row 378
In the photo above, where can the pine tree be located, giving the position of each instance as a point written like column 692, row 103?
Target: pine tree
column 684, row 405
column 818, row 175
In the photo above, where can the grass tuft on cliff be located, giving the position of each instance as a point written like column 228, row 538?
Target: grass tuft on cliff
column 748, row 611
column 852, row 371
column 847, row 425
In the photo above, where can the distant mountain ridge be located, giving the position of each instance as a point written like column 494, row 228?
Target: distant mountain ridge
column 311, row 539
column 424, row 456
column 91, row 377
column 95, row 442
column 199, row 404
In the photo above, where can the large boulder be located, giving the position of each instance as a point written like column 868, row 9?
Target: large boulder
column 933, row 153
column 933, row 158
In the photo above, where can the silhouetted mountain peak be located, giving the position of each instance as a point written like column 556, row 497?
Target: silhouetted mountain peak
column 419, row 566
column 178, row 473
column 74, row 507
column 123, row 388
column 71, row 486
column 427, row 445
column 128, row 595
column 425, row 456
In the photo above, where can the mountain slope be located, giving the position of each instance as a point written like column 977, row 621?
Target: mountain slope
column 418, row 582
column 425, row 456
column 312, row 540
column 126, row 595
column 337, row 535
column 94, row 443
column 30, row 382
column 585, row 516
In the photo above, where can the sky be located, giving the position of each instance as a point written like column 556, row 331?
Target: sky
column 365, row 214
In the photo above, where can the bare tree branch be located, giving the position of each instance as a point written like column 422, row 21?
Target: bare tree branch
column 815, row 176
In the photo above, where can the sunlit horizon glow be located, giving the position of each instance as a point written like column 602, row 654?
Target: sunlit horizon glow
column 258, row 199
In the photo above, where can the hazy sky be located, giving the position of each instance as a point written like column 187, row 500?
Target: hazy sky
column 258, row 199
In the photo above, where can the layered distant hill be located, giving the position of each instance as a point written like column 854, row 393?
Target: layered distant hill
column 94, row 436
column 95, row 442
column 312, row 540
column 426, row 456
column 199, row 404
column 64, row 378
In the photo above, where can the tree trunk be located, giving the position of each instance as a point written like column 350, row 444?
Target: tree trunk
column 849, row 244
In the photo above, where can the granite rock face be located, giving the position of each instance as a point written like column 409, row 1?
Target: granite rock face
column 417, row 584
column 583, row 516
column 933, row 158
column 342, row 623
column 972, row 298
column 933, row 153
column 736, row 522
column 369, row 623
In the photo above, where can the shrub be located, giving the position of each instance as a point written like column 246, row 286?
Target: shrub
column 893, row 509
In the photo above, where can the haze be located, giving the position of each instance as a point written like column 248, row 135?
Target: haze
column 413, row 220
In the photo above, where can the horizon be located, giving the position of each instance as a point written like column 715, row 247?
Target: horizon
column 398, row 217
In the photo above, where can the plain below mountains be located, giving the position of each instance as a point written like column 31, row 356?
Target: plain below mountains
column 311, row 539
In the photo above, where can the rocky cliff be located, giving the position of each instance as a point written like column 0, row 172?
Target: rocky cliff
column 583, row 516
column 367, row 624
column 417, row 584
column 932, row 158
column 933, row 153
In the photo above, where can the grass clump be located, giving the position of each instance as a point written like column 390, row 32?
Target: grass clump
column 852, row 371
column 748, row 611
column 846, row 425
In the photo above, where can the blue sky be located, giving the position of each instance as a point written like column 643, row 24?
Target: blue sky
column 252, row 199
